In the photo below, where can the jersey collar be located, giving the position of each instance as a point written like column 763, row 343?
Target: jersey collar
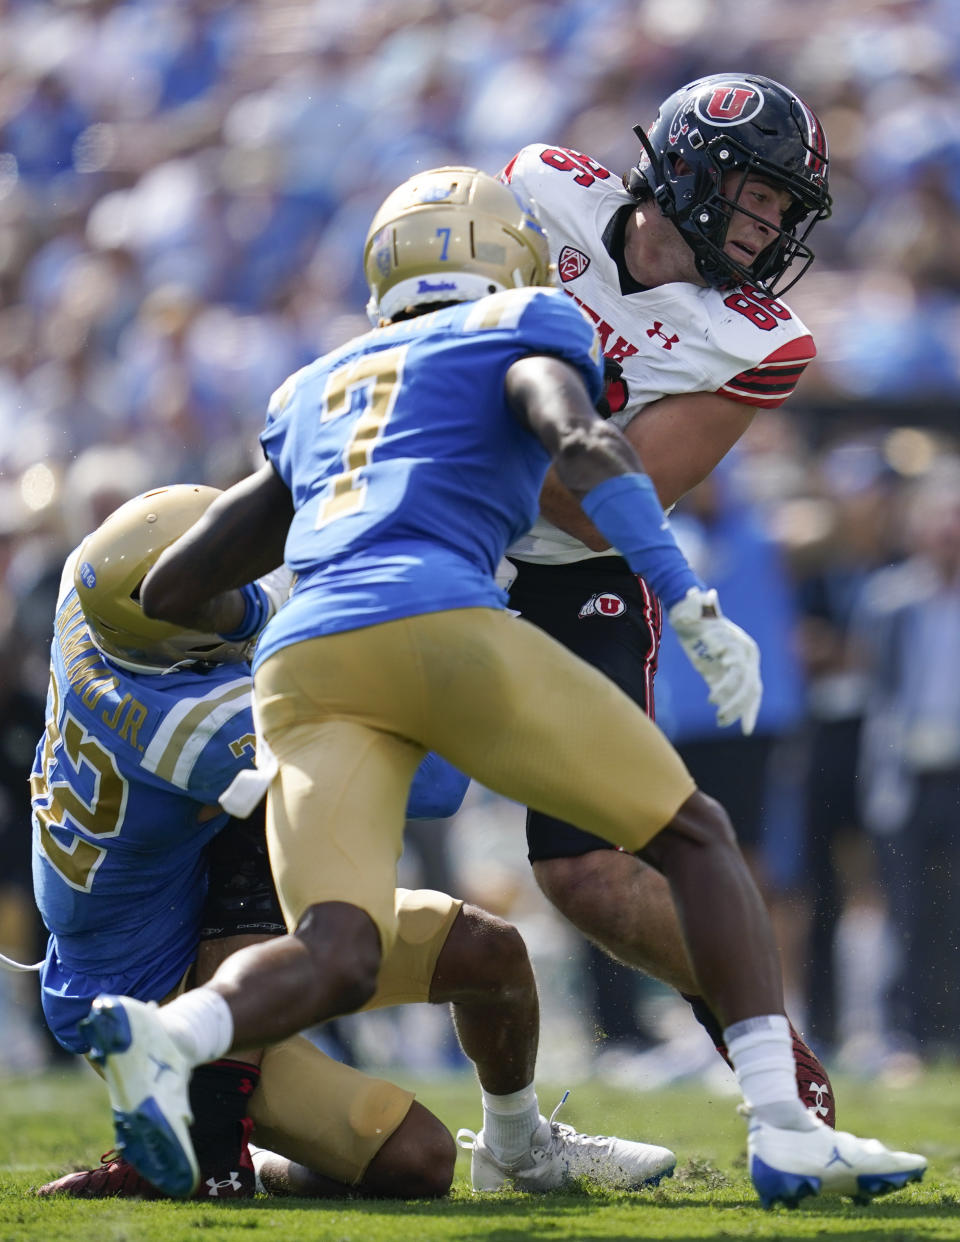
column 614, row 241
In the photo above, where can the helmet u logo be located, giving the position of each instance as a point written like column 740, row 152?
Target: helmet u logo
column 728, row 104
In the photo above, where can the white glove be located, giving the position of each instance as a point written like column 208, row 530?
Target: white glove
column 247, row 789
column 724, row 655
column 277, row 586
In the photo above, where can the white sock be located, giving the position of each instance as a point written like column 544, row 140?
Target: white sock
column 509, row 1122
column 258, row 1158
column 200, row 1023
column 761, row 1050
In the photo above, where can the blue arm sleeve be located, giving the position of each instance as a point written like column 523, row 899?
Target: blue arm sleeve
column 437, row 791
column 255, row 605
column 627, row 511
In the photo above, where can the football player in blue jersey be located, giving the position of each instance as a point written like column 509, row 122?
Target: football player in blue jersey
column 135, row 862
column 400, row 467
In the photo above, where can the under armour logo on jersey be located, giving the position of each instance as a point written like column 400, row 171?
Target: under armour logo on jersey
column 606, row 604
column 571, row 263
column 657, row 330
column 230, row 1182
column 818, row 1089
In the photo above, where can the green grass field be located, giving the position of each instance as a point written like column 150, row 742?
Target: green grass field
column 57, row 1122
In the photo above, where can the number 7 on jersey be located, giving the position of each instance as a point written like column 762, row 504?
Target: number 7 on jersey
column 376, row 378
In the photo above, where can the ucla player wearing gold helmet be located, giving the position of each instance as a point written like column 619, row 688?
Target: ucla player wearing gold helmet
column 399, row 469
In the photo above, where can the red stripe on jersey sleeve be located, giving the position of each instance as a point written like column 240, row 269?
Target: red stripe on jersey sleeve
column 770, row 383
column 506, row 172
column 800, row 350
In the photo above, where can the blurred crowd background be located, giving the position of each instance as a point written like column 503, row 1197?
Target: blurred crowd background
column 185, row 186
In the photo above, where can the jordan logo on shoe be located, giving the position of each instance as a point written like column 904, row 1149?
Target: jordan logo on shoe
column 836, row 1158
column 162, row 1067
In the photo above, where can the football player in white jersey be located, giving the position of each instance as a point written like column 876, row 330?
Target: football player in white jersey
column 678, row 264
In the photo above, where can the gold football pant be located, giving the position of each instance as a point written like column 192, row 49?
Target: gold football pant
column 330, row 1117
column 349, row 717
column 326, row 1115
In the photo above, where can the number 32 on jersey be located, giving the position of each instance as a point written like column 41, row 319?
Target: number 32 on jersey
column 57, row 806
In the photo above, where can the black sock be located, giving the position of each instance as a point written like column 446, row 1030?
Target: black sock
column 219, row 1097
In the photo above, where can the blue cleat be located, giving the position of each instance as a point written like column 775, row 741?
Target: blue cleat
column 788, row 1165
column 148, row 1078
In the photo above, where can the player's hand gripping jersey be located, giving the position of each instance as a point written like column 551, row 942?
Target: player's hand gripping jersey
column 676, row 338
column 380, row 442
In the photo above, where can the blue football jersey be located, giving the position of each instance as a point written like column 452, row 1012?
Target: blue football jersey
column 409, row 473
column 124, row 791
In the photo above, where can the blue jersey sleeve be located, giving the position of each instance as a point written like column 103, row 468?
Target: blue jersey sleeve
column 206, row 735
column 552, row 323
column 281, row 410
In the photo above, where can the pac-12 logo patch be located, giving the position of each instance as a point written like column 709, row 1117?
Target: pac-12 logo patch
column 88, row 575
column 606, row 604
column 571, row 263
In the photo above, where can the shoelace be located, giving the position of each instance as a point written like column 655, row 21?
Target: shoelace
column 466, row 1139
column 559, row 1129
column 563, row 1100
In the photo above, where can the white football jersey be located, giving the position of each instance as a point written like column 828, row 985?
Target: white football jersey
column 677, row 338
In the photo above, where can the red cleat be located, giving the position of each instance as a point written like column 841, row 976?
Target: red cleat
column 117, row 1179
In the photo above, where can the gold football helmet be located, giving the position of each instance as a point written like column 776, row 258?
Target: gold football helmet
column 451, row 235
column 112, row 562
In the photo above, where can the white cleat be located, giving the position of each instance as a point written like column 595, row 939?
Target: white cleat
column 788, row 1165
column 148, row 1078
column 558, row 1155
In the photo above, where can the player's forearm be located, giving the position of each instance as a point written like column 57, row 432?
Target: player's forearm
column 223, row 614
column 595, row 462
column 550, row 398
column 239, row 538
